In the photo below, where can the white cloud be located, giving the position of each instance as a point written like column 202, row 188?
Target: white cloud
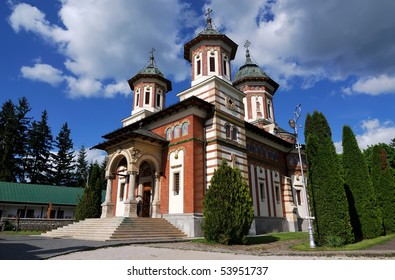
column 43, row 72
column 104, row 43
column 109, row 41
column 373, row 132
column 95, row 155
column 313, row 40
column 372, row 86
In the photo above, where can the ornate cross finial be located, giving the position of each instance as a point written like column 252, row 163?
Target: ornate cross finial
column 152, row 59
column 247, row 44
column 208, row 15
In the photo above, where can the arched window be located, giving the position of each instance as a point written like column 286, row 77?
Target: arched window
column 198, row 67
column 159, row 98
column 168, row 134
column 225, row 66
column 269, row 109
column 177, row 130
column 137, row 98
column 234, row 134
column 147, row 96
column 227, row 130
column 185, row 127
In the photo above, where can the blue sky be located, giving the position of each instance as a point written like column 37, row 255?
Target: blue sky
column 73, row 58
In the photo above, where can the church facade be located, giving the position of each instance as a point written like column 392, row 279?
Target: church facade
column 162, row 159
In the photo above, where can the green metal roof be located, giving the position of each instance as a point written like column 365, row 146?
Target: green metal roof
column 39, row 194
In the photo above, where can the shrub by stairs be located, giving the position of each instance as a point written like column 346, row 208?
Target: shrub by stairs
column 119, row 228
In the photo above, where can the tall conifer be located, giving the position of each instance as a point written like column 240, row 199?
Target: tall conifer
column 63, row 159
column 366, row 220
column 38, row 161
column 384, row 186
column 328, row 201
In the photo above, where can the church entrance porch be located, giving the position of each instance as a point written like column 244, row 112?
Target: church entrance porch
column 133, row 183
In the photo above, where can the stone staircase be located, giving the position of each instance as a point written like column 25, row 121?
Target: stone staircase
column 118, row 229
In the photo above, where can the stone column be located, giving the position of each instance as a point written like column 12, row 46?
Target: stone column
column 131, row 203
column 108, row 206
column 155, row 201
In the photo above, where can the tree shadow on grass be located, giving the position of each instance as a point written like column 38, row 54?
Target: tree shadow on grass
column 266, row 239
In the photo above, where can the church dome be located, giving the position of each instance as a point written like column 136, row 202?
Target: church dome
column 151, row 68
column 249, row 70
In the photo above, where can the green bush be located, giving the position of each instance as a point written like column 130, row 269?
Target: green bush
column 227, row 207
column 334, row 241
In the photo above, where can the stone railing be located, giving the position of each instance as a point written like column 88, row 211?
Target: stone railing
column 35, row 224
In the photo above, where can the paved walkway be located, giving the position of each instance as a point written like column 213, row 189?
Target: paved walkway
column 38, row 248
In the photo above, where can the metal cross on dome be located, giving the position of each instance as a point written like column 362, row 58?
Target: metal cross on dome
column 152, row 53
column 247, row 44
column 208, row 15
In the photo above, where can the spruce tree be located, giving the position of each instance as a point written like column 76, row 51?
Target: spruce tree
column 227, row 207
column 38, row 161
column 63, row 160
column 384, row 186
column 14, row 125
column 328, row 201
column 367, row 218
column 82, row 169
column 89, row 205
column 7, row 135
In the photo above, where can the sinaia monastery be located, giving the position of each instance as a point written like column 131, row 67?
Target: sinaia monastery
column 162, row 159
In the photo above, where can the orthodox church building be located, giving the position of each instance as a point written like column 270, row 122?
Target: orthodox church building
column 162, row 159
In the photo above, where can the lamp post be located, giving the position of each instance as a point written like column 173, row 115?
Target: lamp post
column 293, row 123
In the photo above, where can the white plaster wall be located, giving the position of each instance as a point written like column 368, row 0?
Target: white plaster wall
column 279, row 206
column 263, row 205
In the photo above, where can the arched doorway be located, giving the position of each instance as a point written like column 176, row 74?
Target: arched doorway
column 145, row 189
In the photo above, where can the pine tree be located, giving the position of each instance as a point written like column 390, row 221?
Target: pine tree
column 384, row 186
column 81, row 173
column 227, row 207
column 367, row 218
column 13, row 137
column 328, row 201
column 38, row 164
column 63, row 160
column 7, row 134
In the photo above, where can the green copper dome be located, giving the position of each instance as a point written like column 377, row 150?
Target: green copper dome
column 151, row 68
column 249, row 70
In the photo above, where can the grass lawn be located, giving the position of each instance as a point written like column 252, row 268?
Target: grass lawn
column 303, row 245
column 364, row 244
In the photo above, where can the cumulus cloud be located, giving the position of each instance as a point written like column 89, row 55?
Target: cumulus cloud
column 382, row 84
column 104, row 43
column 43, row 72
column 373, row 132
column 314, row 40
column 95, row 156
column 109, row 41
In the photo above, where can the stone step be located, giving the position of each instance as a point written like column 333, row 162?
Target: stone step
column 119, row 229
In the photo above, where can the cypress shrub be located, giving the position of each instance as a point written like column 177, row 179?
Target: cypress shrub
column 328, row 201
column 384, row 186
column 366, row 220
column 227, row 207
